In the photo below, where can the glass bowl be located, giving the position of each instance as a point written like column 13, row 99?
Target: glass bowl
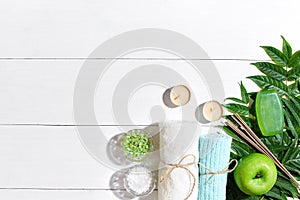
column 139, row 181
column 137, row 144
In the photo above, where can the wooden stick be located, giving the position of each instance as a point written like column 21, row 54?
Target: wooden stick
column 254, row 141
column 271, row 155
column 244, row 136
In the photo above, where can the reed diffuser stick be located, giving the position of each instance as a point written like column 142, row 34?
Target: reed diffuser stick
column 248, row 135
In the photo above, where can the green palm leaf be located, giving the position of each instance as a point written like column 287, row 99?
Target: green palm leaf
column 293, row 109
column 286, row 185
column 244, row 93
column 294, row 73
column 271, row 70
column 284, row 146
column 235, row 100
column 286, row 48
column 266, row 82
column 275, row 193
column 276, row 56
column 290, row 125
column 237, row 108
column 294, row 60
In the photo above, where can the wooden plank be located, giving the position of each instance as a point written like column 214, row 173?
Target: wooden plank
column 53, row 158
column 42, row 92
column 58, row 158
column 65, row 195
column 74, row 28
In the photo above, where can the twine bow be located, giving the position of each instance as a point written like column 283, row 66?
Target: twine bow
column 223, row 171
column 185, row 166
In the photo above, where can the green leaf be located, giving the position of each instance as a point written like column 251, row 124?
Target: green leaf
column 247, row 120
column 292, row 169
column 288, row 153
column 275, row 193
column 277, row 56
column 266, row 82
column 293, row 88
column 296, row 101
column 286, row 48
column 232, row 134
column 241, row 149
column 293, row 109
column 244, row 93
column 294, row 73
column 271, row 70
column 290, row 124
column 285, row 146
column 284, row 138
column 235, row 100
column 237, row 108
column 287, row 186
column 295, row 156
column 278, row 150
column 294, row 60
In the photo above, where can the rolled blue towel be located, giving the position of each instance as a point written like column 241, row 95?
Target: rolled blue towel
column 214, row 153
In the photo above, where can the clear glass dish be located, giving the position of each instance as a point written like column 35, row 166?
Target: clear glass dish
column 137, row 144
column 139, row 181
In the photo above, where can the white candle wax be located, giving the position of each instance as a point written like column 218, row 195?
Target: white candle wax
column 180, row 95
column 212, row 111
column 209, row 112
column 177, row 96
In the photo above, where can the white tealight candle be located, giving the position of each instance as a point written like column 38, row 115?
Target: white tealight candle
column 177, row 96
column 209, row 112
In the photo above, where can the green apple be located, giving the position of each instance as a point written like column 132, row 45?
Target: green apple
column 255, row 174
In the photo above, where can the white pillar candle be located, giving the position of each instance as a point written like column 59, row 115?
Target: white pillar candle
column 209, row 112
column 176, row 96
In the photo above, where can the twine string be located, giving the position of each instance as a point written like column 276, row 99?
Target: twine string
column 223, row 171
column 184, row 166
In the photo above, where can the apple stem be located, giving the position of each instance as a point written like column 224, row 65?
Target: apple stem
column 258, row 175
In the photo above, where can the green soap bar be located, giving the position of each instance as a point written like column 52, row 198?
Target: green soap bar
column 269, row 112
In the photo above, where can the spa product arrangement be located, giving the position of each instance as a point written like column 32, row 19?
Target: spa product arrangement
column 179, row 169
column 265, row 127
column 263, row 149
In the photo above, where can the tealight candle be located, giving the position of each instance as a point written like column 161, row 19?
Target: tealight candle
column 176, row 96
column 209, row 112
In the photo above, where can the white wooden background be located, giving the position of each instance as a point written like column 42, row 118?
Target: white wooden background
column 43, row 45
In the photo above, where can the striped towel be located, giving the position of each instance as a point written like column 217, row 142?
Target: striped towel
column 214, row 153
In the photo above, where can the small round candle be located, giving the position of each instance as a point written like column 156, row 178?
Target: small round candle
column 212, row 111
column 177, row 96
column 209, row 112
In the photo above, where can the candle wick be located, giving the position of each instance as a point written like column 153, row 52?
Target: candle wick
column 176, row 97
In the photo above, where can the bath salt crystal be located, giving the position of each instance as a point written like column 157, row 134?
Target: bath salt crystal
column 139, row 180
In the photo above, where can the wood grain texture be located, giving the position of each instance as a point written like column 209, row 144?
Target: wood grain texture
column 52, row 157
column 225, row 29
column 43, row 46
column 64, row 195
column 41, row 92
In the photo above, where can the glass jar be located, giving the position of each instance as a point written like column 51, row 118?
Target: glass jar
column 139, row 181
column 137, row 144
